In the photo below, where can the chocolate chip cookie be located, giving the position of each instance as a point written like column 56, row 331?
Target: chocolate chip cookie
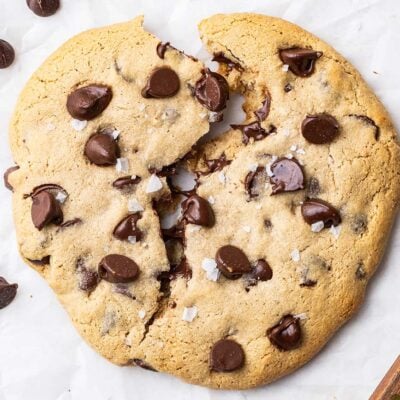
column 276, row 243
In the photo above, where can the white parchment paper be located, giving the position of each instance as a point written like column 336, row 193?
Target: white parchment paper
column 41, row 355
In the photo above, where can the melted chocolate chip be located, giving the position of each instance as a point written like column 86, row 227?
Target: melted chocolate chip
column 7, row 54
column 261, row 272
column 220, row 57
column 315, row 210
column 161, row 49
column 254, row 182
column 69, row 223
column 102, row 149
column 288, row 88
column 198, row 211
column 7, row 173
column 88, row 279
column 232, row 262
column 163, row 82
column 320, row 128
column 46, row 187
column 168, row 170
column 212, row 91
column 127, row 228
column 116, row 268
column 286, row 335
column 140, row 363
column 8, row 291
column 253, row 130
column 126, row 182
column 88, row 102
column 360, row 272
column 43, row 8
column 369, row 121
column 217, row 164
column 175, row 232
column 263, row 112
column 313, row 187
column 287, row 176
column 301, row 61
column 43, row 261
column 45, row 210
column 226, row 356
column 359, row 224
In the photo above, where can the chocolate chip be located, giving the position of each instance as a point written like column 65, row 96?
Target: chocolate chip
column 261, row 272
column 102, row 149
column 263, row 112
column 254, row 130
column 163, row 82
column 175, row 232
column 127, row 228
column 88, row 102
column 123, row 289
column 217, row 164
column 288, row 88
column 7, row 173
column 126, row 182
column 212, row 91
column 45, row 210
column 360, row 272
column 320, row 128
column 313, row 187
column 140, row 363
column 47, row 187
column 301, row 61
column 287, row 176
column 286, row 335
column 69, row 223
column 43, row 261
column 166, row 171
column 182, row 269
column 307, row 282
column 7, row 54
column 43, row 8
column 198, row 211
column 88, row 280
column 359, row 224
column 267, row 224
column 161, row 49
column 254, row 182
column 220, row 57
column 226, row 355
column 8, row 291
column 369, row 121
column 116, row 268
column 315, row 210
column 232, row 262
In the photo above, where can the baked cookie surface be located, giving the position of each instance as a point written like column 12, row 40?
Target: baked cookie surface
column 272, row 253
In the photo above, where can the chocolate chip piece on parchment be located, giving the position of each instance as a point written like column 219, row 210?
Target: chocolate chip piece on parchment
column 7, row 54
column 44, row 8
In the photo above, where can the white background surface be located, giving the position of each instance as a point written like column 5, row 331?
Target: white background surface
column 41, row 355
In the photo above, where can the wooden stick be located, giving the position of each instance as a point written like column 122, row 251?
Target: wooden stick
column 389, row 388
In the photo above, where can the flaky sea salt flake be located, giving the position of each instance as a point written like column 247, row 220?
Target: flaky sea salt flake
column 154, row 184
column 189, row 314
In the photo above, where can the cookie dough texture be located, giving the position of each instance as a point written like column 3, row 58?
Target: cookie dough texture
column 358, row 173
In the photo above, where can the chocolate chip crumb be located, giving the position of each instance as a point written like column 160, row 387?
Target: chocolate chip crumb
column 8, row 291
column 360, row 272
column 359, row 224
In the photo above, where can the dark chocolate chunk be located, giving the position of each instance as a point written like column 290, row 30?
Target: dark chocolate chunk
column 161, row 49
column 116, row 268
column 46, row 187
column 359, row 224
column 198, row 211
column 175, row 232
column 140, row 363
column 288, row 88
column 126, row 182
column 102, row 149
column 315, row 210
column 261, row 272
column 253, row 130
column 369, row 121
column 44, row 8
column 267, row 224
column 221, row 58
column 263, row 112
column 45, row 210
column 127, row 228
column 226, row 355
column 7, row 54
column 89, row 102
column 217, row 164
column 301, row 61
column 286, row 335
column 320, row 128
column 88, row 279
column 8, row 291
column 287, row 176
column 163, row 82
column 7, row 173
column 232, row 262
column 43, row 261
column 254, row 182
column 212, row 91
